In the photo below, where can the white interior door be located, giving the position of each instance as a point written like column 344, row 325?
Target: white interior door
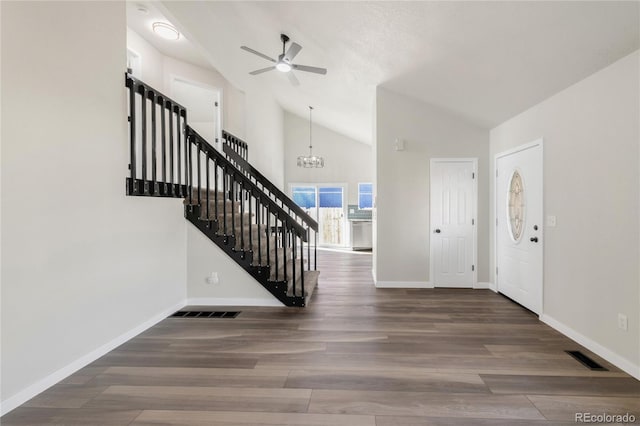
column 519, row 225
column 453, row 222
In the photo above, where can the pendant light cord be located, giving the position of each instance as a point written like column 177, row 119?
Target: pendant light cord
column 310, row 139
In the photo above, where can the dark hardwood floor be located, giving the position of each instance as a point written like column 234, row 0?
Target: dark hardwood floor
column 356, row 356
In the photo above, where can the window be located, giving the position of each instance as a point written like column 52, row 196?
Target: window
column 304, row 196
column 365, row 196
column 516, row 206
column 330, row 196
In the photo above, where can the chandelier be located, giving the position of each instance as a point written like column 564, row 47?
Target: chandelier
column 310, row 161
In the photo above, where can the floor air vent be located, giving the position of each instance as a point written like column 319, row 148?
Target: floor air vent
column 586, row 361
column 204, row 314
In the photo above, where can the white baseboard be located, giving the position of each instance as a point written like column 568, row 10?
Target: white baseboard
column 615, row 359
column 482, row 286
column 373, row 274
column 232, row 301
column 26, row 394
column 404, row 284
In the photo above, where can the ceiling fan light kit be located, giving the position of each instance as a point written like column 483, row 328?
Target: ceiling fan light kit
column 284, row 64
column 310, row 161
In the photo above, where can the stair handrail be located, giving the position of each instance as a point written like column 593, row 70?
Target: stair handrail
column 243, row 164
column 239, row 176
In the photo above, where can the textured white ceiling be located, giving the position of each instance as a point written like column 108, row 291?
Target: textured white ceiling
column 485, row 61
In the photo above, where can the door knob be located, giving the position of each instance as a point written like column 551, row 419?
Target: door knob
column 533, row 239
column 437, row 231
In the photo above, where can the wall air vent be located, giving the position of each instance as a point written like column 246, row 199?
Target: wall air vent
column 204, row 314
column 586, row 361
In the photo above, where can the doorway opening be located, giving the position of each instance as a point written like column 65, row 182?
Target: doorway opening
column 326, row 204
column 205, row 108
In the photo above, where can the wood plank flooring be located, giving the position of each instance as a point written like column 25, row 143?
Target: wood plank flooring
column 357, row 356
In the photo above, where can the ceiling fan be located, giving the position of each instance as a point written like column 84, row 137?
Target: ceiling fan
column 283, row 64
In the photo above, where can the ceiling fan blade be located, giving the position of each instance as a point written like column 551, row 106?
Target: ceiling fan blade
column 260, row 71
column 293, row 50
column 255, row 52
column 293, row 79
column 309, row 69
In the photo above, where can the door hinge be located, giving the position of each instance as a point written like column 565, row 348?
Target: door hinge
column 473, row 175
column 496, row 270
column 216, row 103
column 473, row 268
column 496, row 221
column 473, row 221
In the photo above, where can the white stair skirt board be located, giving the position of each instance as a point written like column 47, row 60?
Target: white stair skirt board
column 403, row 284
column 482, row 286
column 26, row 394
column 615, row 359
column 232, row 301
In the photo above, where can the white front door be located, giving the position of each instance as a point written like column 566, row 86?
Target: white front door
column 519, row 237
column 453, row 222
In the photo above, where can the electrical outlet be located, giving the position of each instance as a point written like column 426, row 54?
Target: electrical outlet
column 213, row 279
column 623, row 322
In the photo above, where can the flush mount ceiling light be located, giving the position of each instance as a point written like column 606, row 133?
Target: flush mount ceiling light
column 310, row 161
column 165, row 30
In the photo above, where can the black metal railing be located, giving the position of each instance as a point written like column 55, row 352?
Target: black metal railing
column 157, row 162
column 242, row 214
column 290, row 206
column 236, row 144
column 236, row 208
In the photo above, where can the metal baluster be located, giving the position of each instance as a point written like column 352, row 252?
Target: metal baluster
column 178, row 149
column 171, row 149
column 250, row 222
column 275, row 241
column 301, row 264
column 315, row 252
column 143, row 113
column 258, row 223
column 224, row 200
column 233, row 203
column 153, row 140
column 132, row 130
column 293, row 258
column 242, row 218
column 207, row 196
column 186, row 145
column 163, row 110
column 189, row 144
column 308, row 249
column 284, row 249
column 215, row 185
column 199, row 174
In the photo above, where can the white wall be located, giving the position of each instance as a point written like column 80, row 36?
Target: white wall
column 265, row 134
column 591, row 183
column 235, row 286
column 159, row 70
column 402, row 183
column 82, row 264
column 346, row 160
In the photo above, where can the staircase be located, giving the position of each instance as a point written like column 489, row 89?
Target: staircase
column 226, row 198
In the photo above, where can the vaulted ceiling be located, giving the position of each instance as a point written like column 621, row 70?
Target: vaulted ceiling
column 484, row 61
